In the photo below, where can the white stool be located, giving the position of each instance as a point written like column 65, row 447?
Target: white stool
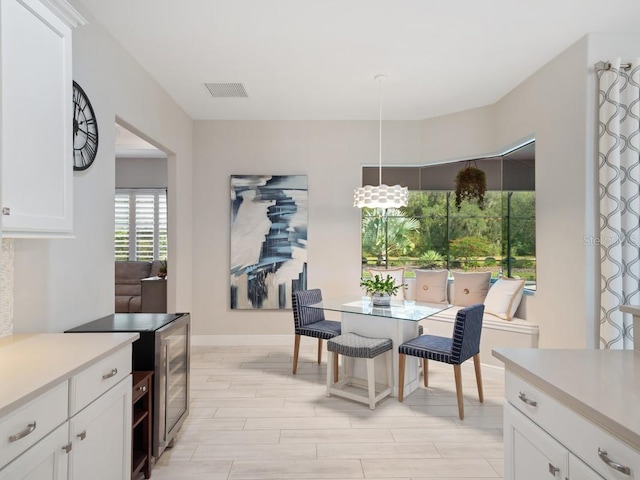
column 356, row 346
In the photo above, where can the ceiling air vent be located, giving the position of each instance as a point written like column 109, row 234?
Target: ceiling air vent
column 226, row 90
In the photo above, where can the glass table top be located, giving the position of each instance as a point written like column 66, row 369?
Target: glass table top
column 399, row 309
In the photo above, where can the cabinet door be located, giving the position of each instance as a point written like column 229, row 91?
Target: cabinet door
column 101, row 436
column 37, row 121
column 579, row 470
column 46, row 460
column 530, row 452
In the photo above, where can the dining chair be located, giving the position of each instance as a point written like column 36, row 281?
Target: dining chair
column 464, row 344
column 310, row 322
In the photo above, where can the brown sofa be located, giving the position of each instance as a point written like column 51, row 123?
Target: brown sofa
column 138, row 288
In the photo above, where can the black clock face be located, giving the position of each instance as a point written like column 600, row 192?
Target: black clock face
column 85, row 130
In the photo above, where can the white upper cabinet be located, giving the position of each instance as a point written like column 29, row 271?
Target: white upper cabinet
column 37, row 117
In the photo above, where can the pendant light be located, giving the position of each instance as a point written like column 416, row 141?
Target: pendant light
column 380, row 196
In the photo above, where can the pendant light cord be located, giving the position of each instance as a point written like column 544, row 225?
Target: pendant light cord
column 380, row 78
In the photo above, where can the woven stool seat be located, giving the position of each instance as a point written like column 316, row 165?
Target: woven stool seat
column 357, row 346
column 352, row 345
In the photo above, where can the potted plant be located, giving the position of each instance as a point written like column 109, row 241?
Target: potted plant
column 162, row 271
column 381, row 290
column 471, row 184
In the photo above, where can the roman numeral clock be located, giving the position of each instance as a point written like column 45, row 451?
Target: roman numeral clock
column 85, row 130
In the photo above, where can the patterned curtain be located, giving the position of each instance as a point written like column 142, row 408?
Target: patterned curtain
column 619, row 174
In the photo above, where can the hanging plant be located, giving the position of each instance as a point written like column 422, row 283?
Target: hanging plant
column 471, row 185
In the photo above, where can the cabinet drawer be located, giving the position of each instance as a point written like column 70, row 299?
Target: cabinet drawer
column 528, row 399
column 97, row 379
column 23, row 427
column 581, row 436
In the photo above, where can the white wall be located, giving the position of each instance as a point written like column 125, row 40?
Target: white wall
column 63, row 283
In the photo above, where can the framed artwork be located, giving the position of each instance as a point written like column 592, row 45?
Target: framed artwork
column 268, row 240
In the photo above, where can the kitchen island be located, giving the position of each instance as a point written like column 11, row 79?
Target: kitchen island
column 572, row 413
column 65, row 405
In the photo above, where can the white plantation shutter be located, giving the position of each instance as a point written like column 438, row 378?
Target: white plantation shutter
column 141, row 224
column 161, row 224
column 122, row 226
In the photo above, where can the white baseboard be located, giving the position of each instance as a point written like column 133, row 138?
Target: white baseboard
column 241, row 340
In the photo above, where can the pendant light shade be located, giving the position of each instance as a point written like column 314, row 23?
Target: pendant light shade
column 380, row 196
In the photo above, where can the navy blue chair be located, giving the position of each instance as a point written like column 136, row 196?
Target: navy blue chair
column 311, row 322
column 464, row 344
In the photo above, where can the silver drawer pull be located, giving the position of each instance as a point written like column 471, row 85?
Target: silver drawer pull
column 112, row 373
column 82, row 435
column 616, row 466
column 553, row 469
column 143, row 388
column 30, row 428
column 68, row 447
column 522, row 396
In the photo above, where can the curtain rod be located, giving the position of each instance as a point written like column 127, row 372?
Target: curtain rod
column 600, row 66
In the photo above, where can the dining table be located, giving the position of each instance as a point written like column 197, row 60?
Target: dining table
column 398, row 321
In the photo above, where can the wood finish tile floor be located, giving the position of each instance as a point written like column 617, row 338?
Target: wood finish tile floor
column 251, row 418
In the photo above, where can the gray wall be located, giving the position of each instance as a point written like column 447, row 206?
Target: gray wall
column 554, row 106
column 61, row 283
column 141, row 173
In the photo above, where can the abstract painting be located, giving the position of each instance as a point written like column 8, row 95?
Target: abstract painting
column 268, row 240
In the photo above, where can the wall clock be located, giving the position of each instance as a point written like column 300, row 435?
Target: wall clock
column 85, row 130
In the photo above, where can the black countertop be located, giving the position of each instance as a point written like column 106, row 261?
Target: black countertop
column 128, row 322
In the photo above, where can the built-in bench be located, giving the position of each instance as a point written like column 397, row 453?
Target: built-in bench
column 496, row 332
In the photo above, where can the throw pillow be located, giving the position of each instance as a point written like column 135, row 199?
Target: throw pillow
column 470, row 288
column 396, row 273
column 504, row 297
column 431, row 286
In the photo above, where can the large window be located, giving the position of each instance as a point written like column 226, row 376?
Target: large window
column 141, row 224
column 431, row 233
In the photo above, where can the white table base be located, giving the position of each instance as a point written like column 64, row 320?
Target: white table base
column 399, row 331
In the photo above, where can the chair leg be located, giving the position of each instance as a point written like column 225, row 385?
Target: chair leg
column 425, row 372
column 389, row 359
column 296, row 349
column 476, row 364
column 371, row 382
column 319, row 351
column 401, row 361
column 335, row 367
column 457, row 372
column 330, row 371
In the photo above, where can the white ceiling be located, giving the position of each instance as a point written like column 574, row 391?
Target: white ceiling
column 315, row 60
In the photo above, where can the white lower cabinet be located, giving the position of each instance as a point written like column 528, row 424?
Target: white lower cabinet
column 79, row 429
column 581, row 471
column 47, row 460
column 530, row 452
column 533, row 454
column 101, row 436
column 545, row 438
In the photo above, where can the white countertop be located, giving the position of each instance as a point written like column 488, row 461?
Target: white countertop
column 632, row 309
column 32, row 363
column 601, row 385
